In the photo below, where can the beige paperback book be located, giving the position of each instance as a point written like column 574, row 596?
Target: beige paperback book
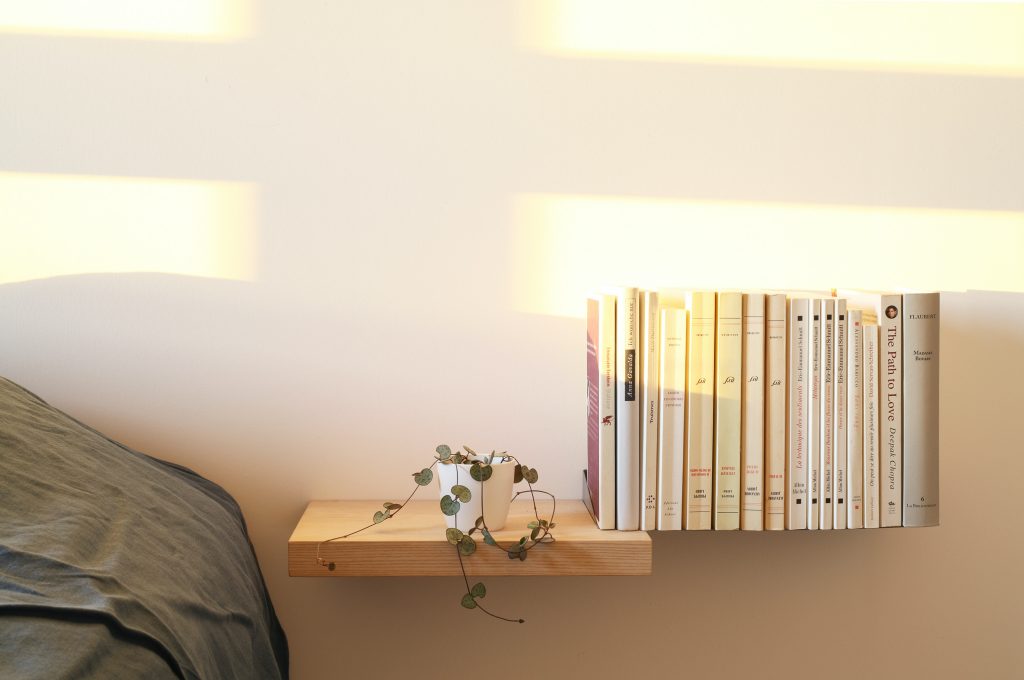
column 728, row 401
column 672, row 418
column 814, row 418
column 842, row 414
column 752, row 413
column 855, row 421
column 775, row 413
column 797, row 405
column 649, row 373
column 828, row 409
column 871, row 424
column 921, row 409
column 700, row 411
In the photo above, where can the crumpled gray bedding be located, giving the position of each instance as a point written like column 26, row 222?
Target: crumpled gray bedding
column 114, row 564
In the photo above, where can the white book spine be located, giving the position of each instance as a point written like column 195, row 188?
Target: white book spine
column 814, row 419
column 828, row 409
column 601, row 408
column 775, row 413
column 871, row 450
column 839, row 438
column 649, row 367
column 891, row 343
column 855, row 421
column 752, row 414
column 728, row 400
column 700, row 410
column 627, row 436
column 921, row 410
column 672, row 419
column 797, row 403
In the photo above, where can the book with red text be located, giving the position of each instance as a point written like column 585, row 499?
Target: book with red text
column 871, row 428
column 672, row 419
column 828, row 410
column 814, row 417
column 855, row 420
column 797, row 405
column 776, row 385
column 842, row 414
column 752, row 414
column 728, row 400
column 700, row 411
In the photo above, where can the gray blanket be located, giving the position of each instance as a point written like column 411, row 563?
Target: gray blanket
column 114, row 564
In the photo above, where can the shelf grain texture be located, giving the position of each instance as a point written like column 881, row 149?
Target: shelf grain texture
column 412, row 543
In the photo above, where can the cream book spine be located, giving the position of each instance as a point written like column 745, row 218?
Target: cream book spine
column 627, row 434
column 921, row 317
column 890, row 325
column 855, row 421
column 871, row 424
column 700, row 411
column 839, row 438
column 828, row 410
column 752, row 414
column 649, row 368
column 601, row 408
column 814, row 418
column 797, row 403
column 776, row 384
column 728, row 400
column 672, row 418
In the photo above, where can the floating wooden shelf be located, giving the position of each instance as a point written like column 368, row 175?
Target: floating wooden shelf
column 413, row 544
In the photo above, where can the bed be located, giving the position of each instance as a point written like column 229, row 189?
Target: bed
column 114, row 564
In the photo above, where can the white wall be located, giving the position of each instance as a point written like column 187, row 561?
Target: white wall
column 387, row 144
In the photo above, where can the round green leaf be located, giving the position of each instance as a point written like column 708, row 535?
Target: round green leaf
column 522, row 555
column 392, row 506
column 453, row 536
column 469, row 450
column 481, row 473
column 530, row 475
column 467, row 546
column 533, row 525
column 518, row 474
column 462, row 493
column 423, row 477
column 443, row 452
column 468, row 602
column 379, row 517
column 488, row 539
column 449, row 505
column 478, row 590
column 479, row 523
column 535, row 533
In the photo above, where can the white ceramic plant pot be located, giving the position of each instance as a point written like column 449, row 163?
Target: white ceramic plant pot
column 496, row 494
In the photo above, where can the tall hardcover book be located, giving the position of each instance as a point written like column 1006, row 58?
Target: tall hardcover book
column 887, row 308
column 752, row 414
column 775, row 413
column 728, row 400
column 797, row 405
column 672, row 420
column 814, row 418
column 627, row 411
column 601, row 408
column 920, row 409
column 700, row 411
column 855, row 421
column 871, row 424
column 828, row 410
column 842, row 414
column 649, row 371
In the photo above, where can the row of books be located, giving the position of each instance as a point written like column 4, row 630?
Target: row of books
column 762, row 411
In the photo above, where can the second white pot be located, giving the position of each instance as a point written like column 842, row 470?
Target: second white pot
column 496, row 494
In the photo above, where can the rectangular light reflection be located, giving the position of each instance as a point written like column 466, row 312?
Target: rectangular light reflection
column 55, row 225
column 947, row 37
column 210, row 20
column 566, row 246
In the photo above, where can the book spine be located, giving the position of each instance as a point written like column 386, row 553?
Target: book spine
column 797, row 403
column 601, row 408
column 890, row 328
column 921, row 410
column 700, row 411
column 752, row 414
column 651, row 317
column 627, row 435
column 814, row 419
column 828, row 410
column 728, row 396
column 842, row 414
column 871, row 449
column 855, row 421
column 775, row 413
column 672, row 419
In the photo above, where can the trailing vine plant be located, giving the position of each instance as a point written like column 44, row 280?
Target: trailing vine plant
column 463, row 542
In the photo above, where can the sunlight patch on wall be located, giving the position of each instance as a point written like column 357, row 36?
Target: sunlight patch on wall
column 907, row 35
column 567, row 246
column 200, row 20
column 55, row 225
